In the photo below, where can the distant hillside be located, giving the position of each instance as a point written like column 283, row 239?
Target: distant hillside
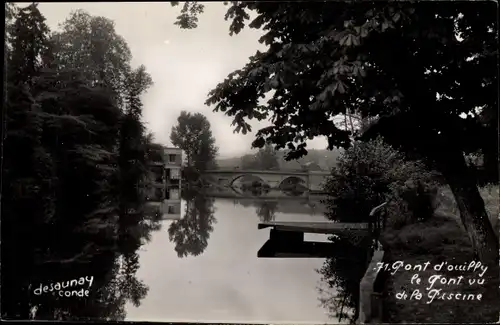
column 324, row 158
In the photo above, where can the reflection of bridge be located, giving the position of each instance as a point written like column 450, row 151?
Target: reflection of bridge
column 313, row 180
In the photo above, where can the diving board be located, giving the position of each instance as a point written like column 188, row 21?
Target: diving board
column 287, row 238
column 314, row 227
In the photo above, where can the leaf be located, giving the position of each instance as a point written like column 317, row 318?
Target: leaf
column 396, row 17
column 355, row 40
column 258, row 143
column 348, row 41
column 385, row 25
column 343, row 40
column 341, row 87
column 364, row 31
column 322, row 95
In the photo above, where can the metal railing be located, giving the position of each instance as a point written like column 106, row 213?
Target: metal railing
column 378, row 217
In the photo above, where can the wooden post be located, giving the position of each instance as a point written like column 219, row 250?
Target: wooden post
column 376, row 306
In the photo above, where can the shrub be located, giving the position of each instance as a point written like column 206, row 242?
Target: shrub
column 370, row 173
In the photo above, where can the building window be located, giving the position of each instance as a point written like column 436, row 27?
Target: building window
column 175, row 174
column 174, row 194
column 171, row 158
column 171, row 209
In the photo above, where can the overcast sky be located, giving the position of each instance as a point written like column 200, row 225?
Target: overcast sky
column 184, row 64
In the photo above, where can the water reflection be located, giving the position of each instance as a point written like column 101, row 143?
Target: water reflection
column 191, row 233
column 342, row 274
column 266, row 210
column 222, row 281
column 228, row 282
column 235, row 285
column 100, row 241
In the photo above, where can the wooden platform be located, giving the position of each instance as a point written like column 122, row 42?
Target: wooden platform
column 308, row 249
column 305, row 249
column 287, row 238
column 314, row 227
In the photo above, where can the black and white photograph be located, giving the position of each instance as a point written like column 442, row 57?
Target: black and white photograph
column 250, row 162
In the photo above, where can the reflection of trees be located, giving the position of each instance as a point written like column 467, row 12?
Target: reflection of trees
column 342, row 274
column 266, row 210
column 246, row 203
column 103, row 246
column 190, row 234
column 129, row 287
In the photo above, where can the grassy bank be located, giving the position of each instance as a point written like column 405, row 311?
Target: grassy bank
column 442, row 238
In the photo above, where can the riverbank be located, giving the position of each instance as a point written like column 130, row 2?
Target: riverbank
column 440, row 239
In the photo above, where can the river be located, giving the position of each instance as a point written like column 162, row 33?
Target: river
column 208, row 271
column 201, row 267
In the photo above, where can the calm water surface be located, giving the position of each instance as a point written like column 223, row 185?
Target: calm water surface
column 226, row 281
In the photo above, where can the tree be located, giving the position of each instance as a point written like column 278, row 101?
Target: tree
column 193, row 135
column 63, row 173
column 191, row 233
column 249, row 162
column 371, row 173
column 90, row 45
column 10, row 12
column 490, row 148
column 27, row 168
column 417, row 67
column 28, row 37
column 133, row 145
column 267, row 158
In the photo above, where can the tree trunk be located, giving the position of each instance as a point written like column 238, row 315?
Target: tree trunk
column 4, row 110
column 490, row 163
column 491, row 147
column 471, row 206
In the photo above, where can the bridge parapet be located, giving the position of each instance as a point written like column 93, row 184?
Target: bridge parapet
column 312, row 179
column 255, row 172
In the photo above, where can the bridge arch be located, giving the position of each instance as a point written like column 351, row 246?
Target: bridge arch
column 297, row 180
column 239, row 176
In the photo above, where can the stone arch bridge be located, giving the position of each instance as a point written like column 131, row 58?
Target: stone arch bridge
column 313, row 180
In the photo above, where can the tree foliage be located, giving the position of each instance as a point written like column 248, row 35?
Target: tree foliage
column 417, row 68
column 318, row 73
column 371, row 173
column 265, row 159
column 193, row 135
column 90, row 45
column 76, row 154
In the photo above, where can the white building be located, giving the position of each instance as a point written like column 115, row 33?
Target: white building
column 165, row 189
